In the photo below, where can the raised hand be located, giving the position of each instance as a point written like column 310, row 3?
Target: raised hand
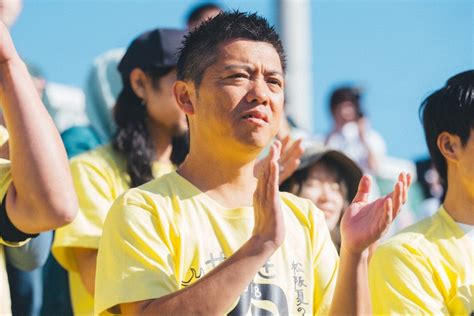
column 269, row 224
column 364, row 223
column 288, row 161
column 289, row 158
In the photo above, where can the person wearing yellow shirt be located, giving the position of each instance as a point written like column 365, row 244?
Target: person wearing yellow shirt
column 215, row 238
column 33, row 196
column 428, row 268
column 150, row 141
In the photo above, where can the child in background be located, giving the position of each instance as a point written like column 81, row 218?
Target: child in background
column 329, row 179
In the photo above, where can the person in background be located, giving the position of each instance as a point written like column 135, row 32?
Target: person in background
column 428, row 267
column 351, row 132
column 150, row 141
column 329, row 179
column 102, row 87
column 215, row 237
column 24, row 269
column 34, row 197
column 201, row 13
column 430, row 183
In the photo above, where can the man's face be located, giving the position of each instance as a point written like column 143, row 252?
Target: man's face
column 240, row 99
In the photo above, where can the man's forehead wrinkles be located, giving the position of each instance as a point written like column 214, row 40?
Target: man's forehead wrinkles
column 239, row 66
column 251, row 68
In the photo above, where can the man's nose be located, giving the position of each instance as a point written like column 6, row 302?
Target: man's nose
column 258, row 92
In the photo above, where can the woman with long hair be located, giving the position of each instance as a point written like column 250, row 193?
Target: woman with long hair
column 150, row 141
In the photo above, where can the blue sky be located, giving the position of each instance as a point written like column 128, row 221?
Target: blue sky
column 398, row 51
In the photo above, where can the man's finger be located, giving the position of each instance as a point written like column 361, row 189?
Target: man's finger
column 284, row 142
column 397, row 197
column 363, row 190
column 271, row 182
column 403, row 178
column 287, row 170
column 387, row 217
column 291, row 153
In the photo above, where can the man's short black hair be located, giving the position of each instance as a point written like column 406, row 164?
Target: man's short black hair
column 199, row 49
column 197, row 13
column 449, row 109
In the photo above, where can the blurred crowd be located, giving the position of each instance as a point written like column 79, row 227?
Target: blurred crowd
column 124, row 129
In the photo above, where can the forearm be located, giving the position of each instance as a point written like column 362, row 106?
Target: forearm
column 43, row 195
column 217, row 291
column 352, row 294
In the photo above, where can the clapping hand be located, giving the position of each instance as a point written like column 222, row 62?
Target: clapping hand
column 364, row 223
column 269, row 224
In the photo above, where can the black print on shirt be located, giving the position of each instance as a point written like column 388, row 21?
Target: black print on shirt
column 256, row 291
column 262, row 292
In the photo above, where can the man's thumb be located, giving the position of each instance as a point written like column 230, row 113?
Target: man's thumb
column 362, row 194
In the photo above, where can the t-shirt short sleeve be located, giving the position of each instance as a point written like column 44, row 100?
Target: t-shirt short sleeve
column 135, row 260
column 95, row 193
column 403, row 282
column 325, row 262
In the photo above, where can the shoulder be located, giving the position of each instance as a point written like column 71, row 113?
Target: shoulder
column 295, row 202
column 157, row 194
column 303, row 210
column 414, row 241
column 103, row 157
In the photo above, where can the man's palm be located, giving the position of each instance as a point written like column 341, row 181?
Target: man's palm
column 364, row 223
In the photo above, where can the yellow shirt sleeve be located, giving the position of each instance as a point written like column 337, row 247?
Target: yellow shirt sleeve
column 325, row 262
column 95, row 192
column 3, row 135
column 135, row 260
column 5, row 177
column 402, row 281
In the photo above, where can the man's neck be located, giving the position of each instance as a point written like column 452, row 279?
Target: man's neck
column 458, row 202
column 228, row 182
column 163, row 144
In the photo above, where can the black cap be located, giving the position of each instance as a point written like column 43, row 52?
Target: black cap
column 158, row 48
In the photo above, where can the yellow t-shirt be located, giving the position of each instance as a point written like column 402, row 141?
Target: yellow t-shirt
column 428, row 268
column 3, row 135
column 166, row 234
column 5, row 180
column 99, row 177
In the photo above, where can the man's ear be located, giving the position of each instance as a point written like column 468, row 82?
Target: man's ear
column 137, row 81
column 449, row 145
column 184, row 95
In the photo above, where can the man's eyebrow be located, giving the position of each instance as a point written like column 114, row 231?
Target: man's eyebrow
column 275, row 72
column 238, row 66
column 251, row 69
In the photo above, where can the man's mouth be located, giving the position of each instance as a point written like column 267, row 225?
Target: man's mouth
column 256, row 116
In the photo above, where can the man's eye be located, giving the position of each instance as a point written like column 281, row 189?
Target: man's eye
column 275, row 82
column 239, row 75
